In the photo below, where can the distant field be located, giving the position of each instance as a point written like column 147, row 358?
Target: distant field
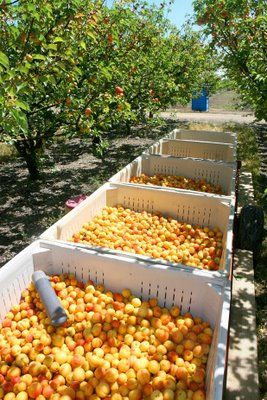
column 226, row 100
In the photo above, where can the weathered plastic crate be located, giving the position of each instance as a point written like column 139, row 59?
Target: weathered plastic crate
column 189, row 148
column 216, row 173
column 198, row 295
column 194, row 208
column 206, row 136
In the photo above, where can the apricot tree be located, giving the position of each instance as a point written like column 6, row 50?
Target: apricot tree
column 41, row 47
column 78, row 67
column 238, row 30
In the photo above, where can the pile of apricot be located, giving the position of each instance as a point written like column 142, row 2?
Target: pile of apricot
column 113, row 346
column 179, row 182
column 153, row 235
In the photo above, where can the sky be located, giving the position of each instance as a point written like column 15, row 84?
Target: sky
column 179, row 11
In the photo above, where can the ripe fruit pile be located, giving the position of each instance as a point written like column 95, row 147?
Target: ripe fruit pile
column 179, row 182
column 113, row 346
column 154, row 236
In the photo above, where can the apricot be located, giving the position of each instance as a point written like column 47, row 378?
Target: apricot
column 199, row 376
column 102, row 389
column 199, row 395
column 34, row 390
column 153, row 367
column 78, row 374
column 168, row 394
column 77, row 361
column 143, row 376
column 181, row 395
column 181, row 373
column 22, row 396
column 156, row 395
column 48, row 391
column 10, row 396
column 111, row 375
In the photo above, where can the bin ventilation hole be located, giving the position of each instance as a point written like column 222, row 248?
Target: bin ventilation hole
column 3, row 298
column 103, row 278
column 190, row 300
column 182, row 297
column 165, row 296
column 19, row 284
column 157, row 291
column 82, row 274
column 10, row 296
column 209, row 215
column 142, row 287
column 149, row 289
column 173, row 296
column 15, row 291
column 23, row 278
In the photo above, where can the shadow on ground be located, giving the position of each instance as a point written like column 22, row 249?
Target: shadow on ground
column 242, row 382
column 28, row 208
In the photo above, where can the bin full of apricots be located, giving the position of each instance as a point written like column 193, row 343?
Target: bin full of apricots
column 167, row 172
column 206, row 136
column 196, row 149
column 131, row 333
column 182, row 229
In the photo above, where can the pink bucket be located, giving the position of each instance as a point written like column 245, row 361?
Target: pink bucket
column 74, row 201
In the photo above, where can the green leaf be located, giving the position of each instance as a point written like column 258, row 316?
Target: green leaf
column 92, row 36
column 24, row 68
column 38, row 57
column 22, row 105
column 58, row 39
column 52, row 46
column 82, row 45
column 20, row 119
column 4, row 60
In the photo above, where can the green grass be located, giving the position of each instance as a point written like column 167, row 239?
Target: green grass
column 6, row 152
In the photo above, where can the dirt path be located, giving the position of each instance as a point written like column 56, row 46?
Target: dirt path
column 214, row 116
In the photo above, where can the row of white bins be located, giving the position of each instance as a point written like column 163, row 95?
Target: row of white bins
column 203, row 293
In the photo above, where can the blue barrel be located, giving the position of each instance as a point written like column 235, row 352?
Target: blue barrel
column 201, row 103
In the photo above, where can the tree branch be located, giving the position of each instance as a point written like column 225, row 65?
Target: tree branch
column 27, row 39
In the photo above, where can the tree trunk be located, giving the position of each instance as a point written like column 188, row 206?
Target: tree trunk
column 32, row 165
column 128, row 127
column 28, row 151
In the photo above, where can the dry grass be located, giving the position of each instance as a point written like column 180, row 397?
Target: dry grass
column 7, row 151
column 203, row 126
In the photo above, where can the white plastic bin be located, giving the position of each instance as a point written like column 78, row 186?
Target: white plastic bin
column 206, row 136
column 192, row 293
column 189, row 148
column 194, row 208
column 215, row 173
